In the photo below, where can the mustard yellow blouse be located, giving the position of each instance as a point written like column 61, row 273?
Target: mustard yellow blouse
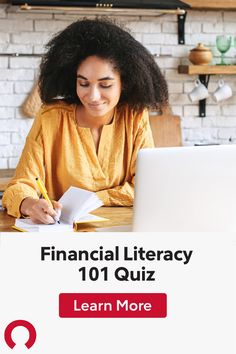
column 63, row 154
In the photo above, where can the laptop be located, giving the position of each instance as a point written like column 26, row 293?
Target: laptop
column 186, row 189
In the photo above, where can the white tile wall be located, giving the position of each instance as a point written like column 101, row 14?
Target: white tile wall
column 28, row 32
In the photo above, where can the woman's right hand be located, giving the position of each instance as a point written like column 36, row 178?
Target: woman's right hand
column 39, row 210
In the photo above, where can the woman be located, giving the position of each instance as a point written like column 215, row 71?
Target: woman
column 97, row 84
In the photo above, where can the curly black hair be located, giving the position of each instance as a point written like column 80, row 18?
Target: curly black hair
column 143, row 85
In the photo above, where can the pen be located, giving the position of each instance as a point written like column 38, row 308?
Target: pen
column 45, row 195
column 18, row 228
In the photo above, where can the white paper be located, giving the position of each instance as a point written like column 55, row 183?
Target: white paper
column 78, row 202
column 29, row 225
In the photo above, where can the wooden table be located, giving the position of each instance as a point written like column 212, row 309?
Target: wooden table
column 117, row 216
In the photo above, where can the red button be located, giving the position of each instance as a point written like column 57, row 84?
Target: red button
column 112, row 305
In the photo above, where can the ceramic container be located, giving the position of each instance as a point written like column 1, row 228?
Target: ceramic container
column 200, row 55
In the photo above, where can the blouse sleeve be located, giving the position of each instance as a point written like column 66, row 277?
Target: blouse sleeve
column 30, row 166
column 123, row 195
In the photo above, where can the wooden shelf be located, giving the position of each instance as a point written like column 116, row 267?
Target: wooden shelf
column 211, row 5
column 207, row 69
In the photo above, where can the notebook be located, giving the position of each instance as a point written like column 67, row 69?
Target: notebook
column 186, row 189
column 77, row 203
column 28, row 225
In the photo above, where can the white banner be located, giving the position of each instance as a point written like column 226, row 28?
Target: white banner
column 194, row 272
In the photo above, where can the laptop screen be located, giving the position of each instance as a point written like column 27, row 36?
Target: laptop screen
column 186, row 189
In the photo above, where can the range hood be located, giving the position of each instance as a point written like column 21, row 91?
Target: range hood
column 112, row 7
column 115, row 4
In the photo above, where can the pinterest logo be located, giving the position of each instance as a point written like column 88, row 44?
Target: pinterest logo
column 30, row 328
